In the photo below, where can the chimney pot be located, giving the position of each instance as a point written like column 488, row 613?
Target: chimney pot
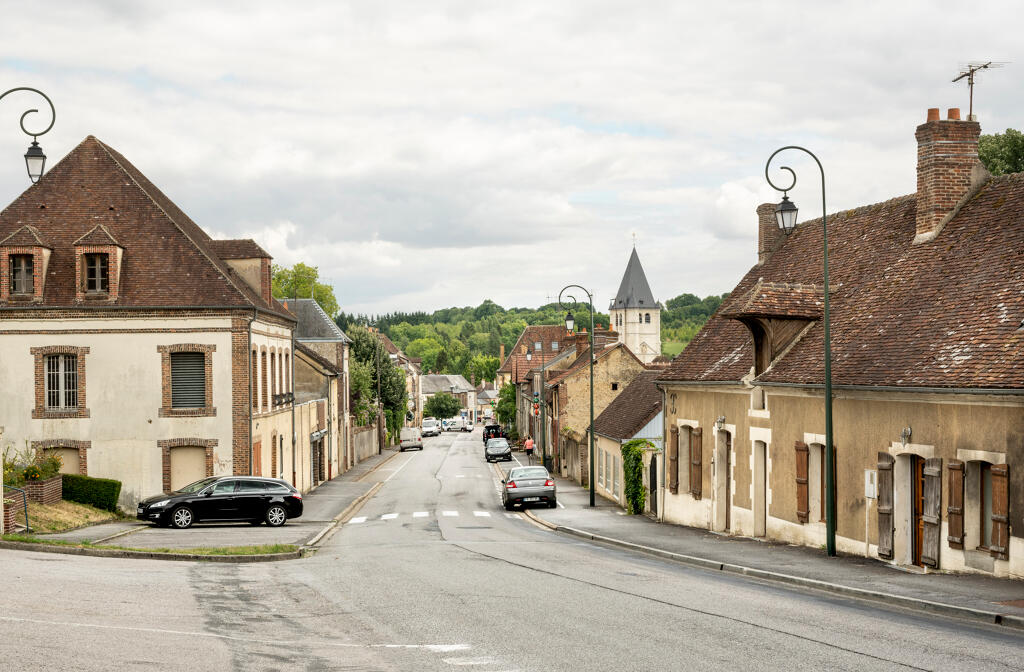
column 953, row 114
column 933, row 114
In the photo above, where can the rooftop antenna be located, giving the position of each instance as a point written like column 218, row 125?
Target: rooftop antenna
column 634, row 240
column 968, row 70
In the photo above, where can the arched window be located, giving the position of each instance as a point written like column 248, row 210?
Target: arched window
column 647, row 318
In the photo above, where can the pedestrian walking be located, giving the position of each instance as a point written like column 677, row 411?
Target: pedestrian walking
column 528, row 447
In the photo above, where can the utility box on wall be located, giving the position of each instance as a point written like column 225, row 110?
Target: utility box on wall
column 870, row 484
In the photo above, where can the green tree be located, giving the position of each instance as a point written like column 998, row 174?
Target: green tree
column 1002, row 153
column 441, row 365
column 442, row 406
column 426, row 348
column 302, row 282
column 505, row 409
column 483, row 367
column 361, row 391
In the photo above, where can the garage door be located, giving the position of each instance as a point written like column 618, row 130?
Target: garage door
column 188, row 464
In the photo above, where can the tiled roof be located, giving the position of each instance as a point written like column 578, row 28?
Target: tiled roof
column 632, row 409
column 98, row 235
column 436, row 382
column 515, row 363
column 583, row 360
column 326, row 364
column 313, row 322
column 946, row 313
column 26, row 236
column 168, row 259
column 777, row 299
column 388, row 344
column 634, row 291
column 241, row 248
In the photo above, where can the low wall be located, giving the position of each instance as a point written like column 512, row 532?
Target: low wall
column 45, row 492
column 364, row 441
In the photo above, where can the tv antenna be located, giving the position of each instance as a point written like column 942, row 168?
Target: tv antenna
column 968, row 70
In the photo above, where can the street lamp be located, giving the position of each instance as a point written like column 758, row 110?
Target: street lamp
column 570, row 322
column 35, row 159
column 785, row 215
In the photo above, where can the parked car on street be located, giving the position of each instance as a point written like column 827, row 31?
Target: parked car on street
column 498, row 449
column 469, row 426
column 528, row 485
column 409, row 438
column 224, row 498
column 430, row 427
column 456, row 424
column 493, row 432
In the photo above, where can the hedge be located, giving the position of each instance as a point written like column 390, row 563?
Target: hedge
column 99, row 492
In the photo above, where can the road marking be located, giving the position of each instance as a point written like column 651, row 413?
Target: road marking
column 358, row 519
column 449, row 514
column 513, row 515
column 560, row 505
column 420, row 514
column 398, row 470
column 469, row 661
column 389, row 516
column 482, row 514
column 460, row 476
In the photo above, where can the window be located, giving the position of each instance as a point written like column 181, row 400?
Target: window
column 252, row 486
column 554, row 346
column 97, row 273
column 615, row 386
column 255, row 378
column 600, row 468
column 62, row 381
column 538, row 346
column 21, row 274
column 986, row 505
column 273, row 379
column 225, row 487
column 188, row 380
column 647, row 318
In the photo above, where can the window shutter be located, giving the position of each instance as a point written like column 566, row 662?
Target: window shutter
column 696, row 456
column 885, row 462
column 1000, row 544
column 955, row 505
column 932, row 515
column 188, row 380
column 803, row 507
column 673, row 460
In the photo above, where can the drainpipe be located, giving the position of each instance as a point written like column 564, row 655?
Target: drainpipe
column 330, row 434
column 664, row 458
column 252, row 385
column 291, row 374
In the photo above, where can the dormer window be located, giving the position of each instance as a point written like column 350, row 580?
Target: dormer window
column 97, row 273
column 21, row 274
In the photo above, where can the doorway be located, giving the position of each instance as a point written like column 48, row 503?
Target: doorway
column 654, row 485
column 917, row 511
column 760, row 489
column 722, row 502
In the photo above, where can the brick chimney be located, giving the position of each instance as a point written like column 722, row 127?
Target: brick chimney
column 582, row 341
column 948, row 170
column 501, row 349
column 768, row 232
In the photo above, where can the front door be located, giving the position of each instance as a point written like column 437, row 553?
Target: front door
column 728, row 481
column 654, row 484
column 917, row 499
column 257, row 453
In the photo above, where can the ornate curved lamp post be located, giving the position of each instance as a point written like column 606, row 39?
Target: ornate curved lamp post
column 570, row 322
column 785, row 216
column 35, row 159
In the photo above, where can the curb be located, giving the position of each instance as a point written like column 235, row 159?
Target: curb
column 379, row 465
column 990, row 617
column 147, row 555
column 325, row 534
column 122, row 533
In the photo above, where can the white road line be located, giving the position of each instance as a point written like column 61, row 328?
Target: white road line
column 460, row 476
column 482, row 514
column 358, row 519
column 560, row 505
column 420, row 514
column 513, row 515
column 449, row 514
column 398, row 470
column 469, row 661
column 389, row 516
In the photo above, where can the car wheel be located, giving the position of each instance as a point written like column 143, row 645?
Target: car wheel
column 182, row 517
column 401, row 450
column 509, row 506
column 276, row 515
column 552, row 504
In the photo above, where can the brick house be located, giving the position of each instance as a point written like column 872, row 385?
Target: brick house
column 927, row 303
column 537, row 345
column 133, row 343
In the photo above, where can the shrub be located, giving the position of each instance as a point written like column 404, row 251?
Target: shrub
column 99, row 492
column 633, row 474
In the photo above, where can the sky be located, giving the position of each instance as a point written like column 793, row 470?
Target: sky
column 432, row 154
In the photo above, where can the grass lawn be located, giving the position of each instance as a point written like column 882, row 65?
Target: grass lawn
column 260, row 549
column 672, row 348
column 61, row 516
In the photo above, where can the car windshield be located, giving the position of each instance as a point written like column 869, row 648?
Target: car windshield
column 197, row 486
column 529, row 472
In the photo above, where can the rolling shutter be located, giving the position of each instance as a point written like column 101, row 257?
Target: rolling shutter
column 673, row 460
column 696, row 457
column 1000, row 544
column 955, row 505
column 885, row 462
column 188, row 380
column 803, row 508
column 932, row 515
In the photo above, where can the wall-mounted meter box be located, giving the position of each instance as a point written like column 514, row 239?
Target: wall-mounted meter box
column 871, row 484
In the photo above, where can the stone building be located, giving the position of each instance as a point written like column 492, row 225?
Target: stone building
column 927, row 308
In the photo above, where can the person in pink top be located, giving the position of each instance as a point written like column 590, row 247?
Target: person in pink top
column 528, row 446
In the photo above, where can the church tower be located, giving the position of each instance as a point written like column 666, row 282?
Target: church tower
column 634, row 313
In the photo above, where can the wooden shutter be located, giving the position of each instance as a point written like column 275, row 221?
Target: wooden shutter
column 673, row 460
column 932, row 515
column 1000, row 545
column 696, row 458
column 885, row 462
column 955, row 504
column 188, row 380
column 803, row 507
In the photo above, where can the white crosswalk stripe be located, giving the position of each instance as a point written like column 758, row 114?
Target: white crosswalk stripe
column 420, row 514
column 360, row 519
column 449, row 514
column 389, row 516
column 482, row 514
column 426, row 514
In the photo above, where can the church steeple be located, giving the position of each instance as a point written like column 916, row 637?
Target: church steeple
column 634, row 291
column 634, row 313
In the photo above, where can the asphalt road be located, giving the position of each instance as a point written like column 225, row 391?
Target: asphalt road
column 433, row 574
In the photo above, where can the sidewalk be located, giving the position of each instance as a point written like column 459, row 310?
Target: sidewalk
column 991, row 599
column 319, row 508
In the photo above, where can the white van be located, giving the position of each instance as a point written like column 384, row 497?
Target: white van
column 411, row 437
column 456, row 424
column 431, row 427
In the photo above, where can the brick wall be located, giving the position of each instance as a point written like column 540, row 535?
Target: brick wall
column 240, row 395
column 947, row 153
column 44, row 492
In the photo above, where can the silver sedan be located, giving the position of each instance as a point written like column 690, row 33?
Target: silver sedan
column 528, row 485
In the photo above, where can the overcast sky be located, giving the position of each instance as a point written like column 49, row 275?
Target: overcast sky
column 428, row 154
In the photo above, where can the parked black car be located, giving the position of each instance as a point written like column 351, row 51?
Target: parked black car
column 498, row 449
column 224, row 498
column 494, row 432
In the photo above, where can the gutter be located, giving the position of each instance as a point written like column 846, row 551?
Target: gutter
column 894, row 388
column 109, row 306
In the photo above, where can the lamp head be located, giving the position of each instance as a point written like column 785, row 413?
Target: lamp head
column 570, row 322
column 35, row 161
column 785, row 214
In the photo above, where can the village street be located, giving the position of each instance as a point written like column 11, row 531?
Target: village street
column 433, row 574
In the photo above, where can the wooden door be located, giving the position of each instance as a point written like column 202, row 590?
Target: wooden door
column 728, row 481
column 917, row 504
column 257, row 453
column 885, row 497
column 932, row 514
column 654, row 484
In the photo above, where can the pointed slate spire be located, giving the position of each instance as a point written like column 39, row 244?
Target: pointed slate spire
column 634, row 292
